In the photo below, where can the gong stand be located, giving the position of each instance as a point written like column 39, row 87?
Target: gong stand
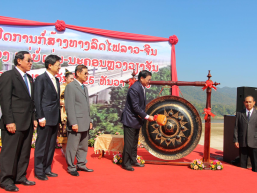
column 206, row 84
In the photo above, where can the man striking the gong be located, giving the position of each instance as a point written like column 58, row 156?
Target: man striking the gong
column 133, row 117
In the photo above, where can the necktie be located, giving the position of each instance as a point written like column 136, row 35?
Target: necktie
column 248, row 116
column 82, row 87
column 54, row 82
column 26, row 81
column 144, row 94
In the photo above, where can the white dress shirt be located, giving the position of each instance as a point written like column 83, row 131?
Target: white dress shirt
column 251, row 111
column 55, row 86
column 78, row 82
column 53, row 80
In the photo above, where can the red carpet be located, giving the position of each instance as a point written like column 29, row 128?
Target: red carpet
column 108, row 177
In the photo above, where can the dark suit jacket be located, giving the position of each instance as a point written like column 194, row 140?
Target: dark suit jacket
column 47, row 100
column 246, row 132
column 134, row 112
column 16, row 103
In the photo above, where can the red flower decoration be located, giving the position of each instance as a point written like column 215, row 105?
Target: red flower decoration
column 173, row 39
column 60, row 25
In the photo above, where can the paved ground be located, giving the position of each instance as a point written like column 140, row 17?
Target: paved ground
column 216, row 136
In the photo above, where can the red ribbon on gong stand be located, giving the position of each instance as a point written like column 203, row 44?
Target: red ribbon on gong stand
column 208, row 112
column 131, row 81
column 209, row 84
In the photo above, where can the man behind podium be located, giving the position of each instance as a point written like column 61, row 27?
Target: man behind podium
column 17, row 122
column 47, row 102
column 245, row 133
column 79, row 122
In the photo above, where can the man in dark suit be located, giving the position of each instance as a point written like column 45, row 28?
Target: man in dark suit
column 133, row 117
column 245, row 133
column 79, row 121
column 17, row 122
column 47, row 102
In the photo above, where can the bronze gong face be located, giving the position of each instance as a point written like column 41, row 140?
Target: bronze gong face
column 179, row 136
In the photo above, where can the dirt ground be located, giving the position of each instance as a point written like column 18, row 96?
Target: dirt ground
column 216, row 136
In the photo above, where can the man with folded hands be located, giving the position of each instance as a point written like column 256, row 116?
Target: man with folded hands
column 78, row 121
column 245, row 133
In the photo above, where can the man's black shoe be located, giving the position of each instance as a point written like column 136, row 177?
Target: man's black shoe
column 27, row 182
column 74, row 173
column 10, row 187
column 42, row 177
column 138, row 165
column 85, row 169
column 51, row 174
column 128, row 168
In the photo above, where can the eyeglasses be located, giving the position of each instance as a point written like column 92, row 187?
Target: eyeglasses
column 86, row 73
column 30, row 61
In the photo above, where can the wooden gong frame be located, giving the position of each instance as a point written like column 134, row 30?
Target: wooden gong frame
column 207, row 134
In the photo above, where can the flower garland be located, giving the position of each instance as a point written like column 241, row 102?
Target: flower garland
column 197, row 164
column 216, row 165
column 140, row 160
column 117, row 159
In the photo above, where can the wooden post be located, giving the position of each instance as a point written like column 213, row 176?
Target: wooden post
column 207, row 133
column 171, row 78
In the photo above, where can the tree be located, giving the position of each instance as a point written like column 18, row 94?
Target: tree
column 105, row 120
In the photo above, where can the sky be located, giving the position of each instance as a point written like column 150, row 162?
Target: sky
column 216, row 35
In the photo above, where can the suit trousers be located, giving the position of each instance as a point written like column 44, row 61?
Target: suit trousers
column 44, row 149
column 15, row 155
column 129, row 155
column 77, row 146
column 244, row 152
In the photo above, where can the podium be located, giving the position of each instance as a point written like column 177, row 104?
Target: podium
column 230, row 152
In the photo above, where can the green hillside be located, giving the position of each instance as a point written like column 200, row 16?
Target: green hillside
column 224, row 95
column 223, row 100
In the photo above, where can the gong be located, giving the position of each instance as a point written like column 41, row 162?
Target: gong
column 179, row 136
